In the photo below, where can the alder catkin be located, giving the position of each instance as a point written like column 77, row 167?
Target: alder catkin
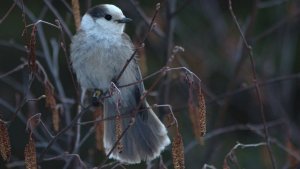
column 197, row 112
column 119, row 132
column 30, row 155
column 5, row 147
column 178, row 152
column 51, row 103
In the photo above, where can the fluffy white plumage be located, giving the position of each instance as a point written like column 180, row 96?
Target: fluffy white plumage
column 99, row 51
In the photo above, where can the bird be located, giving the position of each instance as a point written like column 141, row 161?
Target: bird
column 98, row 52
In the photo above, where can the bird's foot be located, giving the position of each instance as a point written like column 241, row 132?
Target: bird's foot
column 96, row 97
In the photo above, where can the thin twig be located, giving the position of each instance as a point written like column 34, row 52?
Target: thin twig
column 164, row 69
column 56, row 13
column 73, row 122
column 141, row 44
column 250, row 87
column 242, row 146
column 233, row 128
column 294, row 17
column 19, row 67
column 257, row 88
column 276, row 142
column 24, row 101
column 109, row 164
column 180, row 8
column 36, row 99
column 142, row 14
column 8, row 12
column 171, row 112
column 44, row 22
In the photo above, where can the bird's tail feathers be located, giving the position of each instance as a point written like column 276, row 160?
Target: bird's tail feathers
column 144, row 140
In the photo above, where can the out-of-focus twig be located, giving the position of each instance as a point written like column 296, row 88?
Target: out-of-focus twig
column 251, row 87
column 164, row 69
column 238, row 127
column 140, row 11
column 76, row 13
column 19, row 67
column 8, row 12
column 257, row 88
column 56, row 13
column 270, row 3
column 277, row 25
column 276, row 142
column 52, row 141
column 142, row 42
column 231, row 154
column 181, row 8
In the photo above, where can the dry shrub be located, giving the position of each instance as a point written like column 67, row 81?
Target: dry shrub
column 5, row 147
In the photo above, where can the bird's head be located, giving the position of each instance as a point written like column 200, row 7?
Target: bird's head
column 105, row 18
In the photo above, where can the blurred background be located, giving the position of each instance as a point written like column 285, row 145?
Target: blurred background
column 213, row 50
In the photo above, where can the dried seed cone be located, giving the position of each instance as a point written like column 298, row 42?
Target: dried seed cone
column 178, row 152
column 55, row 119
column 76, row 13
column 202, row 113
column 51, row 103
column 99, row 129
column 197, row 113
column 31, row 54
column 119, row 132
column 4, row 142
column 225, row 164
column 30, row 155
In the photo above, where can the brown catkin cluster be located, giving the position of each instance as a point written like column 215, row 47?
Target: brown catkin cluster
column 31, row 53
column 4, row 141
column 197, row 112
column 30, row 155
column 201, row 113
column 51, row 103
column 98, row 114
column 178, row 152
column 76, row 13
column 225, row 164
column 119, row 132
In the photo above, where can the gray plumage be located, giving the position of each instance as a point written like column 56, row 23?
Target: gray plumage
column 98, row 52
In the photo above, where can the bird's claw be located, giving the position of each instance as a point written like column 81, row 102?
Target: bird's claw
column 96, row 97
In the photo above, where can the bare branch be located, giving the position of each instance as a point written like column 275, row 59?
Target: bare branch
column 8, row 12
column 257, row 88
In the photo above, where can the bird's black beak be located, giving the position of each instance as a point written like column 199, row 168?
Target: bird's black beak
column 124, row 20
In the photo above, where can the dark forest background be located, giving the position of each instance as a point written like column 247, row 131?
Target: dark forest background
column 237, row 135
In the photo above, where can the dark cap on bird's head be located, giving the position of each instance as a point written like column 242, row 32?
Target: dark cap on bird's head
column 108, row 12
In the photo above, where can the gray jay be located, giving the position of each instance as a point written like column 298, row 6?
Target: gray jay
column 99, row 50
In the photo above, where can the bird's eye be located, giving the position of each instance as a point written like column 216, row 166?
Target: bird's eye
column 108, row 17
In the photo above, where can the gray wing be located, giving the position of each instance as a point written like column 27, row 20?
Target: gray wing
column 134, row 63
column 139, row 88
